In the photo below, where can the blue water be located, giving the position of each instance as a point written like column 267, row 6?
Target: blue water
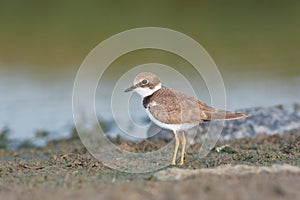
column 33, row 101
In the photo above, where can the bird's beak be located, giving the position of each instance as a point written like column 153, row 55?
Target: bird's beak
column 130, row 89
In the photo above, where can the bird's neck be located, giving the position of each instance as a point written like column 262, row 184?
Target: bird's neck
column 145, row 92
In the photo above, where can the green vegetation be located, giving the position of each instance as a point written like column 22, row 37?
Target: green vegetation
column 61, row 32
column 4, row 138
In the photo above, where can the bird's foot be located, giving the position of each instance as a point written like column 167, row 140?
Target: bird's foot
column 173, row 162
column 181, row 162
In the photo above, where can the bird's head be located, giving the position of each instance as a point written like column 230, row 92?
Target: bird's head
column 145, row 84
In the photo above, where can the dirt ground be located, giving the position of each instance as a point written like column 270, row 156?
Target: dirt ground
column 65, row 170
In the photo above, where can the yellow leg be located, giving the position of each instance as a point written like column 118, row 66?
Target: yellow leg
column 183, row 142
column 176, row 148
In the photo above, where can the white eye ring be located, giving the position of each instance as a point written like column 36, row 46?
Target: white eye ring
column 145, row 81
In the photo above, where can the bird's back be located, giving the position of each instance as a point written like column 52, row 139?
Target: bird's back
column 173, row 107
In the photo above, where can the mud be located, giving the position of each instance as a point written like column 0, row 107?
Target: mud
column 65, row 170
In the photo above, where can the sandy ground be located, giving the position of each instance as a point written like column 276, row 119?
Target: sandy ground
column 266, row 167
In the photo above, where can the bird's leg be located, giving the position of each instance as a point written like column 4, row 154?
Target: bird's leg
column 176, row 148
column 183, row 142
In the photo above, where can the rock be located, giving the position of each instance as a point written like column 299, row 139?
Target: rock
column 175, row 174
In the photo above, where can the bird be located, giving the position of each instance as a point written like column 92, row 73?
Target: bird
column 174, row 110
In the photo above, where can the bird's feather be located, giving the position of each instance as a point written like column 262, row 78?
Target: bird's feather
column 173, row 107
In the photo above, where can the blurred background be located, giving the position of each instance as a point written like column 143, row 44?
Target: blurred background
column 255, row 44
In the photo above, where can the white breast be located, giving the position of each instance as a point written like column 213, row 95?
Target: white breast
column 173, row 127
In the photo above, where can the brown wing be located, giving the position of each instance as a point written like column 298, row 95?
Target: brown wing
column 174, row 107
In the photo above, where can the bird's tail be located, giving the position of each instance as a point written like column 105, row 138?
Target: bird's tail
column 234, row 115
column 225, row 115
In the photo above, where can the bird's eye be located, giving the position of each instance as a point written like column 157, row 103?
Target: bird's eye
column 145, row 81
